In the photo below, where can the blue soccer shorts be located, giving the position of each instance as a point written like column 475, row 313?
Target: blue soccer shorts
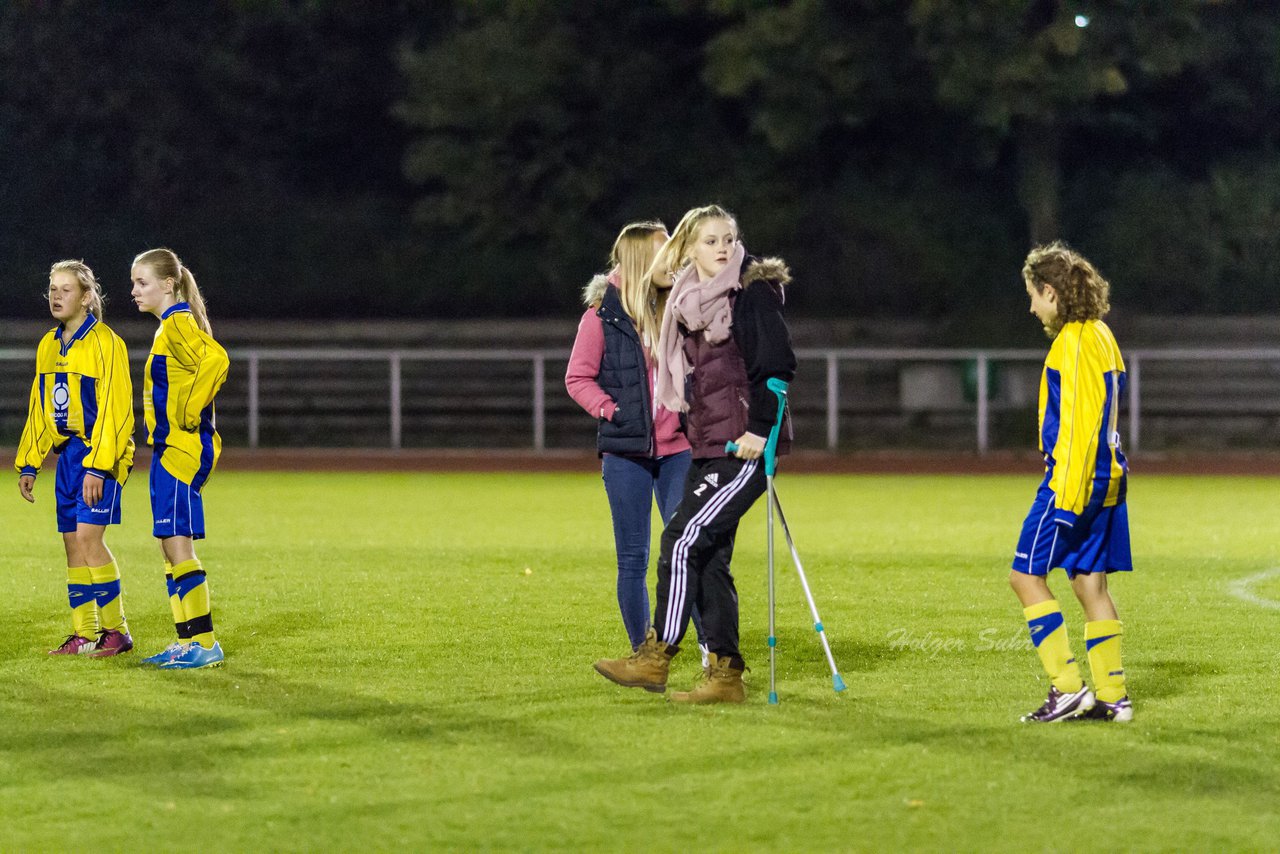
column 1098, row 542
column 69, row 490
column 176, row 507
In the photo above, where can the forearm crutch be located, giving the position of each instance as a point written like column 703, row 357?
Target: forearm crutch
column 779, row 388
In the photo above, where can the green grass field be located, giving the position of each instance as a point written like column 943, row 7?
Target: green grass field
column 396, row 680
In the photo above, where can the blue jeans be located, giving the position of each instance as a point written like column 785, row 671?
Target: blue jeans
column 632, row 484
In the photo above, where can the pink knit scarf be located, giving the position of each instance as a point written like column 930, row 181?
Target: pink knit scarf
column 701, row 307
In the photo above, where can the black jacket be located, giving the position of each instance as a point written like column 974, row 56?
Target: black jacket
column 763, row 338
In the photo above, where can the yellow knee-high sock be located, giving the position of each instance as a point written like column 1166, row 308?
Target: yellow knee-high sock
column 193, row 590
column 110, row 597
column 1049, row 634
column 1102, row 640
column 84, row 607
column 175, row 605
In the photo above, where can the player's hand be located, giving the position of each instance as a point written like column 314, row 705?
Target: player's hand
column 92, row 490
column 750, row 446
column 26, row 486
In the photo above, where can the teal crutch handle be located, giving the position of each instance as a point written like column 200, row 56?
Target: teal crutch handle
column 779, row 388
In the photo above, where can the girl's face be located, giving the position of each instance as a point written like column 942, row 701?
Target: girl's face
column 713, row 246
column 67, row 300
column 1044, row 305
column 151, row 293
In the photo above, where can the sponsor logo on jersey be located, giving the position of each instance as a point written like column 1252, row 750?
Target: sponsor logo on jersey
column 713, row 479
column 61, row 398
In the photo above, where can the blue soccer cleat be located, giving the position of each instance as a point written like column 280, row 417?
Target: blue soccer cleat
column 195, row 656
column 165, row 655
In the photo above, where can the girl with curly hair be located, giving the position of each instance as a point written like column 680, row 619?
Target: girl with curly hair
column 1079, row 520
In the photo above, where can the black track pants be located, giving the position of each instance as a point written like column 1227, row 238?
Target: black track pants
column 697, row 545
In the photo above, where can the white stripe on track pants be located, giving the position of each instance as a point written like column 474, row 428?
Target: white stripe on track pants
column 697, row 546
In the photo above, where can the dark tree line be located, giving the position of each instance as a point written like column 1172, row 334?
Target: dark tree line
column 384, row 158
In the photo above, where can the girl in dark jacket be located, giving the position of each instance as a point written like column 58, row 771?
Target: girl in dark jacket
column 723, row 337
column 611, row 374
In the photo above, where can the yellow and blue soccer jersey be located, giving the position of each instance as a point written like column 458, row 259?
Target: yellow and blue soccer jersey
column 184, row 371
column 81, row 390
column 1080, row 392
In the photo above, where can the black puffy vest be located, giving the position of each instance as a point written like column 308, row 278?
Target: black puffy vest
column 625, row 376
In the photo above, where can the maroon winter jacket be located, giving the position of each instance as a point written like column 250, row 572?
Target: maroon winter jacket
column 726, row 389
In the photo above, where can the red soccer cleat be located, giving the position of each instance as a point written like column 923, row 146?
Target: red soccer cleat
column 112, row 642
column 75, row 645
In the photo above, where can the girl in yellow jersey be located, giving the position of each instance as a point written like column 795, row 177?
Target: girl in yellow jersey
column 82, row 408
column 1079, row 520
column 184, row 371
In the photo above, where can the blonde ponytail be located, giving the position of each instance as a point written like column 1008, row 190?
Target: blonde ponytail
column 191, row 295
column 166, row 265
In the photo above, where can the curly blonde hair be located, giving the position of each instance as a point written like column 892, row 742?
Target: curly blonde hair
column 1083, row 294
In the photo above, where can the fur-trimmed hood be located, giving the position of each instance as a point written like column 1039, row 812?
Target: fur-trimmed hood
column 594, row 292
column 766, row 269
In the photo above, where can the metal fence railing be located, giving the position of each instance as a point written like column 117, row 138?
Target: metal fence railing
column 477, row 398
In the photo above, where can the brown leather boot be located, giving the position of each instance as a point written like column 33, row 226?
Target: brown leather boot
column 721, row 683
column 645, row 668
